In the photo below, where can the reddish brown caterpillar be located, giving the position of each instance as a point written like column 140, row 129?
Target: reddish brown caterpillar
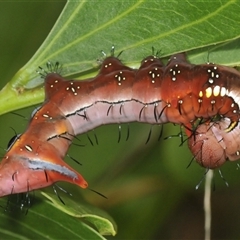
column 179, row 93
column 212, row 145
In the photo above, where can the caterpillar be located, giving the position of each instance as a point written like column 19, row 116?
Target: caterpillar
column 178, row 92
column 212, row 145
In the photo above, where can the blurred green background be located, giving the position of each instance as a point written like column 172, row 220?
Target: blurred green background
column 151, row 194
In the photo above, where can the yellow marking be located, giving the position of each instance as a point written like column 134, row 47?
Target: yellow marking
column 208, row 92
column 231, row 127
column 216, row 91
column 200, row 94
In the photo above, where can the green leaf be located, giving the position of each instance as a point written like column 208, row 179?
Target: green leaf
column 86, row 27
column 45, row 221
column 101, row 220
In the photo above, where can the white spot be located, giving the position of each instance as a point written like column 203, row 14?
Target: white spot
column 223, row 92
column 28, row 148
column 211, row 81
column 216, row 91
